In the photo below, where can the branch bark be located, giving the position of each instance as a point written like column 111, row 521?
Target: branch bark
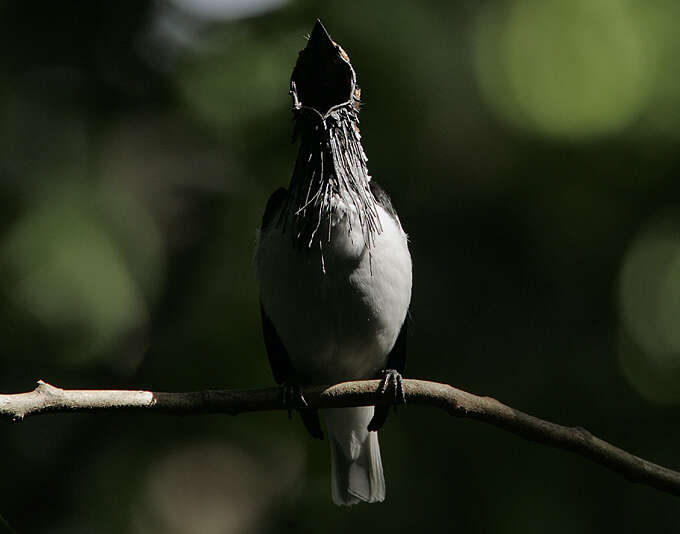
column 46, row 398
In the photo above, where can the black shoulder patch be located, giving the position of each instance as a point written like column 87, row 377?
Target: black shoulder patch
column 382, row 198
column 274, row 204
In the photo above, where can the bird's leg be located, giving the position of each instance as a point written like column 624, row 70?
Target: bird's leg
column 292, row 398
column 391, row 380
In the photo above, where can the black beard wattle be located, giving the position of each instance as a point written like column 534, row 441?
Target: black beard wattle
column 330, row 163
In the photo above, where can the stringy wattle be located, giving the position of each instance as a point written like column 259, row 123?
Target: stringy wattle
column 331, row 163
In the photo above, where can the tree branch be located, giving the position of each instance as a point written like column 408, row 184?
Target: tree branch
column 46, row 398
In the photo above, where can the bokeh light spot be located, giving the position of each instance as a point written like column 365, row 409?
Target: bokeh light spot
column 244, row 82
column 565, row 69
column 215, row 487
column 649, row 300
column 77, row 271
column 227, row 9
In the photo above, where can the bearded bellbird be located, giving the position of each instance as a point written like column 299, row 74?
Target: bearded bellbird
column 333, row 269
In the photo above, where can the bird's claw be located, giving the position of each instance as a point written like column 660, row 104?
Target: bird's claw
column 292, row 398
column 392, row 379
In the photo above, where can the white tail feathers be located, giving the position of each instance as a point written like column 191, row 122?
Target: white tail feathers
column 356, row 468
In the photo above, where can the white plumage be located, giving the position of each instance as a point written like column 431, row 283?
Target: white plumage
column 338, row 309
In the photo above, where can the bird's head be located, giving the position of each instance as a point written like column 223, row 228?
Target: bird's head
column 323, row 77
column 331, row 163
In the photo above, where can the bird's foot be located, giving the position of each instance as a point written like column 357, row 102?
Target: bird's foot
column 292, row 398
column 392, row 380
column 390, row 384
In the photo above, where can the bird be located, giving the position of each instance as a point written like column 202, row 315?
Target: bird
column 334, row 271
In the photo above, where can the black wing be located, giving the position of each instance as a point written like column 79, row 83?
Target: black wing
column 382, row 198
column 395, row 360
column 279, row 361
column 284, row 372
column 274, row 204
column 278, row 356
column 397, row 357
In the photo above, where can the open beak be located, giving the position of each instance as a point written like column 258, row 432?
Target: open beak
column 323, row 77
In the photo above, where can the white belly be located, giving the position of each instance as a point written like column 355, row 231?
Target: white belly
column 341, row 324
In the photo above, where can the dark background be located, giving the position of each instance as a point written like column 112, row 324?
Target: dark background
column 531, row 148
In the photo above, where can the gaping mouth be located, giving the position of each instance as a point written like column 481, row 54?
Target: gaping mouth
column 323, row 77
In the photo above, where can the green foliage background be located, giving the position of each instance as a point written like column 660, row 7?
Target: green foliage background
column 531, row 148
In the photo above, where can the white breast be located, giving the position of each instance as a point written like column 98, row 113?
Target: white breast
column 342, row 323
